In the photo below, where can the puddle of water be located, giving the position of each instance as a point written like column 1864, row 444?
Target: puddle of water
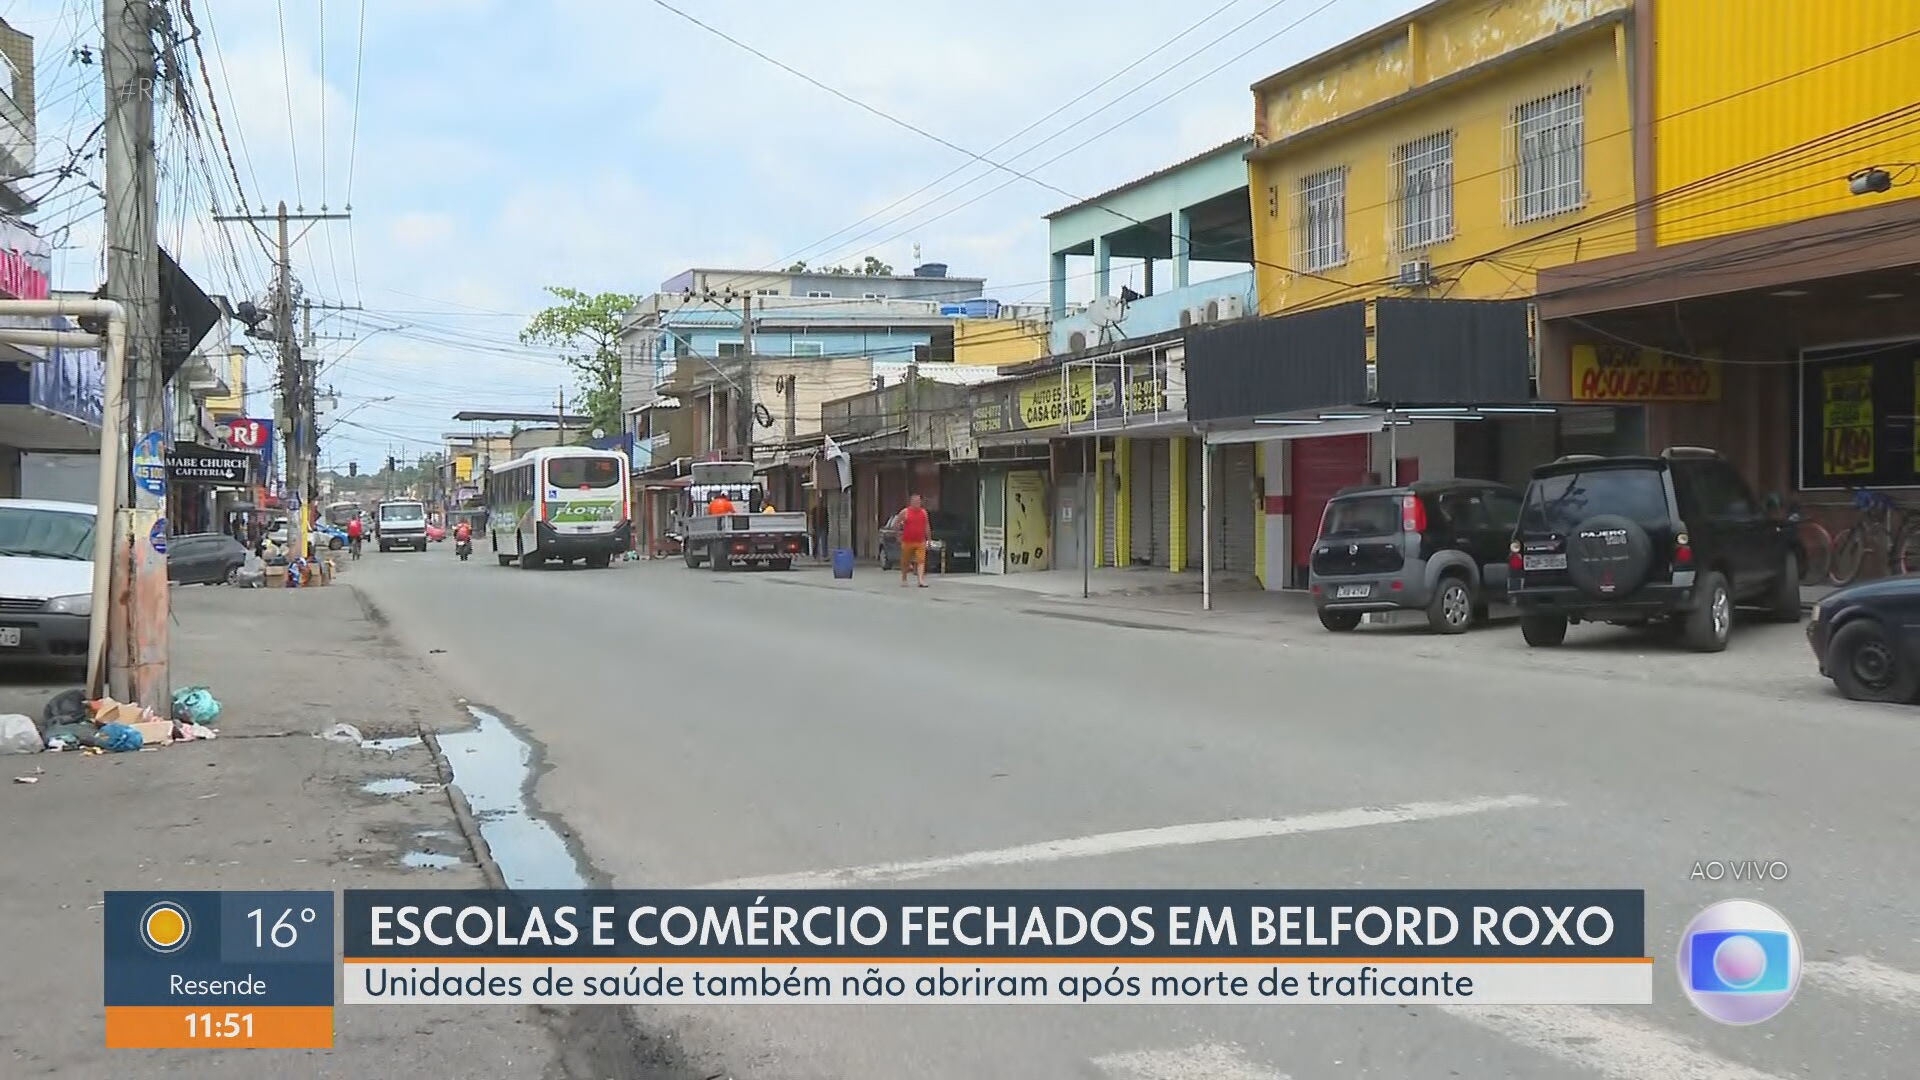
column 428, row 860
column 492, row 766
column 391, row 746
column 392, row 785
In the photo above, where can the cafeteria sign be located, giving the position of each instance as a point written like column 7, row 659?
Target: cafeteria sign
column 188, row 463
column 1614, row 372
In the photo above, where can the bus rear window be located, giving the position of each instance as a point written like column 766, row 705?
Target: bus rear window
column 583, row 472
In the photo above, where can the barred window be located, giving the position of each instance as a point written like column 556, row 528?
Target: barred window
column 1320, row 225
column 1548, row 175
column 1423, row 189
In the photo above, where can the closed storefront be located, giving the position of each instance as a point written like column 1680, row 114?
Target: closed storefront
column 1149, row 501
column 993, row 521
column 1321, row 467
column 1109, row 512
column 1192, row 497
column 1233, row 498
column 1160, row 505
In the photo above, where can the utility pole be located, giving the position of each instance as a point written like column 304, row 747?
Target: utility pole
column 560, row 413
column 137, row 656
column 743, row 405
column 296, row 381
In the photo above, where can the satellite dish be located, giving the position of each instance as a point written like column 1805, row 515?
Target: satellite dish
column 1105, row 312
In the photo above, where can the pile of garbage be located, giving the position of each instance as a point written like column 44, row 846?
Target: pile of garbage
column 106, row 726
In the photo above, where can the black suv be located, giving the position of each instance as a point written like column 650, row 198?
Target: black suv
column 1433, row 545
column 1677, row 539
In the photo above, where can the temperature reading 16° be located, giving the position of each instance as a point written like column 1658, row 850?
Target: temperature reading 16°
column 283, row 933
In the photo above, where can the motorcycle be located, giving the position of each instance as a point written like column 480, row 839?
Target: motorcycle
column 463, row 548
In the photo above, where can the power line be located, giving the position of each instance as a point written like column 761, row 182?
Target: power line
column 286, row 80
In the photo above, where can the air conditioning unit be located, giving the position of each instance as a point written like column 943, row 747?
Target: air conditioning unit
column 1416, row 273
column 1225, row 307
column 1194, row 316
column 1076, row 341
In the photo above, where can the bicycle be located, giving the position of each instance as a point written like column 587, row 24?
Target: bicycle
column 1879, row 525
column 1816, row 542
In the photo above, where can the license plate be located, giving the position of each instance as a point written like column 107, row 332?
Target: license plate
column 1352, row 592
column 9, row 637
column 1543, row 562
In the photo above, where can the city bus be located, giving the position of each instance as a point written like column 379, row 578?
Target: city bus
column 560, row 504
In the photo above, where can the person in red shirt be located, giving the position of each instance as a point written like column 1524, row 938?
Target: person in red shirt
column 913, row 541
column 354, row 531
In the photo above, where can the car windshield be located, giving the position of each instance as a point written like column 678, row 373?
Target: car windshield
column 583, row 472
column 1371, row 515
column 402, row 513
column 45, row 534
column 1559, row 503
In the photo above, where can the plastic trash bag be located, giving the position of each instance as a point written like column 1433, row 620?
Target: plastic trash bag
column 119, row 738
column 341, row 733
column 65, row 708
column 18, row 735
column 72, row 735
column 195, row 705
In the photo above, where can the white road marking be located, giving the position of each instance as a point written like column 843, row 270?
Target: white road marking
column 1114, row 843
column 1206, row 1062
column 1606, row 1043
column 1859, row 975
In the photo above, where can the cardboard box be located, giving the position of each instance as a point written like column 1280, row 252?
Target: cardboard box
column 154, row 732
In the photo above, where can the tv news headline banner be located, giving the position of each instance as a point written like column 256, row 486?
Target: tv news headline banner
column 218, row 969
column 984, row 946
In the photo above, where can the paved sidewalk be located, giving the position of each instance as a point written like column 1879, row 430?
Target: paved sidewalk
column 266, row 806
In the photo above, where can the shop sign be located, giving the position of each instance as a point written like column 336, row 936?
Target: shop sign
column 1846, row 420
column 989, row 416
column 1054, row 400
column 191, row 464
column 1613, row 372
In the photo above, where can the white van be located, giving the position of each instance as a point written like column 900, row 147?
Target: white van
column 46, row 581
column 402, row 524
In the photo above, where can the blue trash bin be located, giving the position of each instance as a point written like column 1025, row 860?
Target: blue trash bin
column 843, row 562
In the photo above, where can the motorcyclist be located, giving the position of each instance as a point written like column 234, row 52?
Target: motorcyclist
column 354, row 532
column 462, row 534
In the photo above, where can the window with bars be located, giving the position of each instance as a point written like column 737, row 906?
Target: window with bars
column 1423, row 189
column 1548, row 143
column 1320, row 227
column 808, row 348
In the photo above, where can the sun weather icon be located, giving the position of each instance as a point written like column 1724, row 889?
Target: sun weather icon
column 165, row 927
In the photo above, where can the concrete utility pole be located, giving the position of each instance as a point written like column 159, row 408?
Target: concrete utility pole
column 296, row 381
column 137, row 658
column 743, row 406
column 560, row 414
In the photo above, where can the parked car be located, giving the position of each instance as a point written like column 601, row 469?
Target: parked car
column 204, row 558
column 322, row 538
column 46, row 581
column 1438, row 546
column 949, row 542
column 1862, row 639
column 1677, row 540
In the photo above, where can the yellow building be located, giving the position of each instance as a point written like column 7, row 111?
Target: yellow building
column 998, row 342
column 1448, row 154
column 234, row 402
column 1768, row 309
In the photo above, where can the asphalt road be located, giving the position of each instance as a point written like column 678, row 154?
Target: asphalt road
column 700, row 728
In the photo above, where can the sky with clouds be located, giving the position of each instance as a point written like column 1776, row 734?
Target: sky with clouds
column 489, row 148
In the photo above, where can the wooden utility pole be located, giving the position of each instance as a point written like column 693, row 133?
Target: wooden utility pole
column 296, row 376
column 137, row 627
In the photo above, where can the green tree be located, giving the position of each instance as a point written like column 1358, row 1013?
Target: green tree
column 875, row 268
column 585, row 328
column 799, row 267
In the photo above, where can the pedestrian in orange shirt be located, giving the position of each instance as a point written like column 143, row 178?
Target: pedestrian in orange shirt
column 720, row 505
column 913, row 541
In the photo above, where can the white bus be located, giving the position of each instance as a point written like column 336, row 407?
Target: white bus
column 560, row 503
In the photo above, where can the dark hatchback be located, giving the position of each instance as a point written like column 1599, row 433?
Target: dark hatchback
column 1866, row 638
column 1438, row 546
column 949, row 545
column 204, row 558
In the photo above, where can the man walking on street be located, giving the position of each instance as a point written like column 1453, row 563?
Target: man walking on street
column 913, row 541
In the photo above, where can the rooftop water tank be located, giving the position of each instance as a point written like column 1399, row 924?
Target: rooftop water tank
column 982, row 309
column 930, row 270
column 953, row 311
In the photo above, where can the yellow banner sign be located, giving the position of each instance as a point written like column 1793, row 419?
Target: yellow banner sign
column 1054, row 400
column 1846, row 420
column 1626, row 373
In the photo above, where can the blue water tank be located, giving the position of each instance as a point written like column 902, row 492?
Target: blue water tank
column 843, row 562
column 953, row 311
column 931, row 269
column 982, row 309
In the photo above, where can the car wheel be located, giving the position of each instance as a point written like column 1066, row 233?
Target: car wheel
column 1786, row 592
column 1339, row 621
column 1543, row 631
column 1867, row 667
column 233, row 575
column 1451, row 610
column 1710, row 623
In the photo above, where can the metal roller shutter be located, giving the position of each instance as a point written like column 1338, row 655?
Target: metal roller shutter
column 1140, row 502
column 1161, row 504
column 1196, row 456
column 1109, row 513
column 1233, row 502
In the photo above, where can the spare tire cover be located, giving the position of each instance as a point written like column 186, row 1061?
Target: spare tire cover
column 1608, row 556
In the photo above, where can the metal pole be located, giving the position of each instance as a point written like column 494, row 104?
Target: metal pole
column 1393, row 450
column 1206, row 523
column 1086, row 546
column 138, row 606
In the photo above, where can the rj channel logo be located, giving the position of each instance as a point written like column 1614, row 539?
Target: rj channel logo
column 1739, row 962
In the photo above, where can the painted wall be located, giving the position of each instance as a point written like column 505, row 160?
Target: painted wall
column 233, row 404
column 998, row 342
column 1157, row 313
column 1805, row 73
column 1488, row 256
